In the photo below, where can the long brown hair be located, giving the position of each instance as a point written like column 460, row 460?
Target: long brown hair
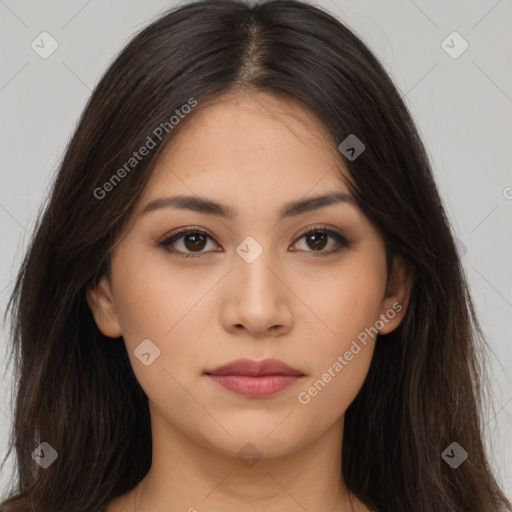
column 75, row 387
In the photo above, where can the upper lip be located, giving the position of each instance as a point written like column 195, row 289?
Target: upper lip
column 251, row 367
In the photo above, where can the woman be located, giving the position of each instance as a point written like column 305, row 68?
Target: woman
column 244, row 290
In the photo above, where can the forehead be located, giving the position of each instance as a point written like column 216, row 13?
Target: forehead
column 258, row 147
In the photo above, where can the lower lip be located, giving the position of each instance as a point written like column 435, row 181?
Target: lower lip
column 255, row 386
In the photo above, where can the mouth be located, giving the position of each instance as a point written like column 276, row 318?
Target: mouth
column 255, row 379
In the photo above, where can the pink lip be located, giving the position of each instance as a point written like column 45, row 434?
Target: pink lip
column 255, row 378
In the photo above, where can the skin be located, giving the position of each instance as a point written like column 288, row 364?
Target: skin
column 254, row 152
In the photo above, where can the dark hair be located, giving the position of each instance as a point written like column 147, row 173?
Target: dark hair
column 76, row 387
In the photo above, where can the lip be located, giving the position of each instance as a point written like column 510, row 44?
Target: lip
column 255, row 378
column 255, row 368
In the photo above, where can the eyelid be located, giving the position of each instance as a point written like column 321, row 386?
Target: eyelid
column 169, row 238
column 341, row 239
column 185, row 230
column 335, row 233
column 324, row 228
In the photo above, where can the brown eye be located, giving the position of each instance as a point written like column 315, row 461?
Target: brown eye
column 318, row 238
column 194, row 241
column 190, row 242
column 187, row 241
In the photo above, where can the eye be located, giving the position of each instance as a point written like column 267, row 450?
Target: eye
column 190, row 239
column 317, row 239
column 190, row 242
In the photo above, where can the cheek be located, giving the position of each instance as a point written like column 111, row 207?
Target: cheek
column 150, row 297
column 339, row 362
column 143, row 305
column 153, row 303
column 326, row 396
column 352, row 302
column 341, row 358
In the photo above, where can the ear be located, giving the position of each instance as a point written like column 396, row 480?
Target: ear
column 99, row 298
column 397, row 295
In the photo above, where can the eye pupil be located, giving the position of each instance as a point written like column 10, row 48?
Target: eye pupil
column 198, row 241
column 194, row 241
column 318, row 244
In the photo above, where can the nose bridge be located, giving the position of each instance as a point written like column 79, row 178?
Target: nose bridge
column 257, row 296
column 252, row 268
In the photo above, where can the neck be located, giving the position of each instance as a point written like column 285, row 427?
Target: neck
column 188, row 475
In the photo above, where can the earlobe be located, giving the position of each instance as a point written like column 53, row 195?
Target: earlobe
column 99, row 298
column 396, row 299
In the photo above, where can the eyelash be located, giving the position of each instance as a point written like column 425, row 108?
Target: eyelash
column 180, row 233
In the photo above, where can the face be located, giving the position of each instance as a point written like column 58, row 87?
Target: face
column 193, row 288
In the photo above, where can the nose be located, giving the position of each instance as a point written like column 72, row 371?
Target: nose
column 257, row 298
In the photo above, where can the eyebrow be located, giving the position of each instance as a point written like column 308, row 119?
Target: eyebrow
column 208, row 206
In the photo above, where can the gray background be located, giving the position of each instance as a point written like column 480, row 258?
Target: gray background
column 462, row 107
